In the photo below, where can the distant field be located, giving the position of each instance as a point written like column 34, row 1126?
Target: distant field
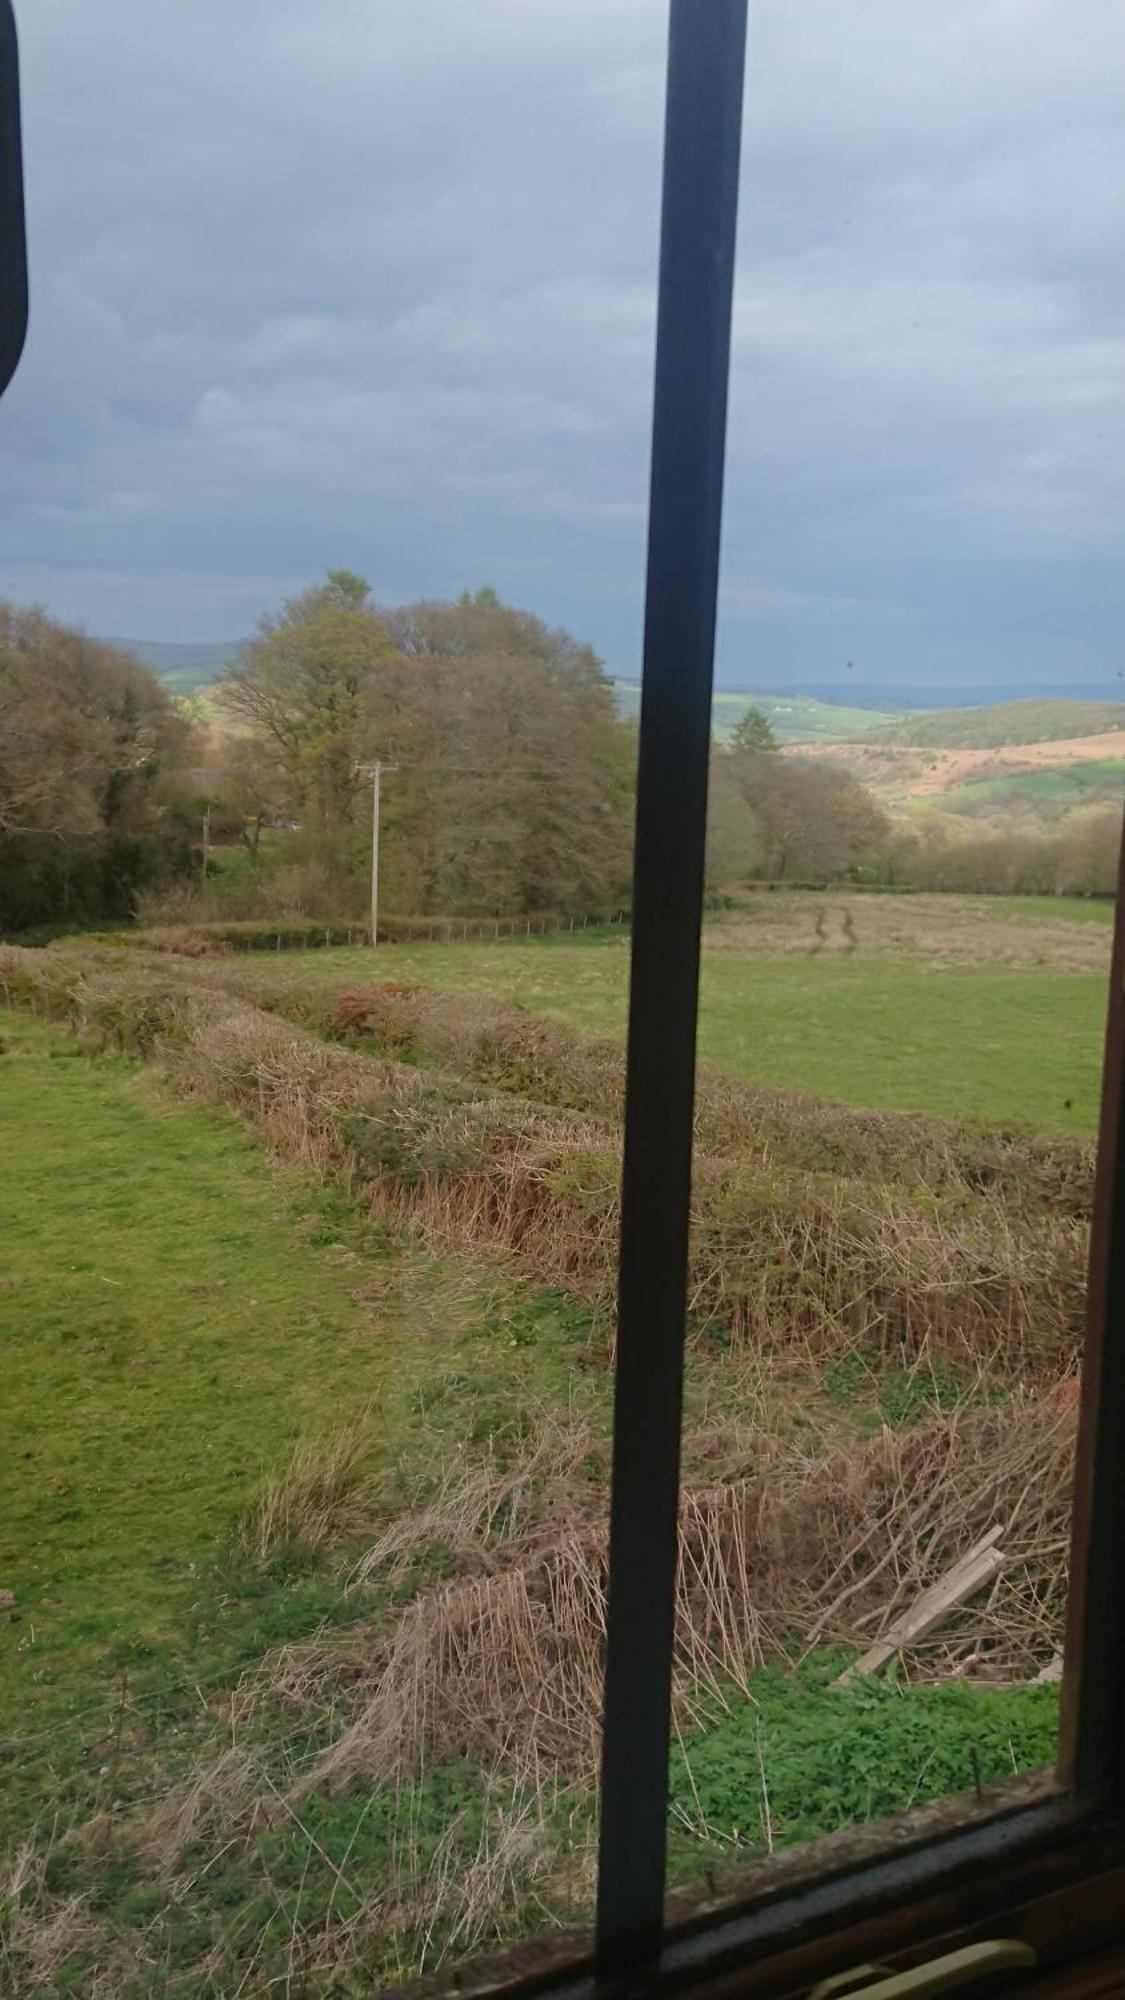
column 1071, row 783
column 1071, row 769
column 795, row 718
column 183, row 668
column 969, row 1007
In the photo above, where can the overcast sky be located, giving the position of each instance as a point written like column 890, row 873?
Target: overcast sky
column 371, row 283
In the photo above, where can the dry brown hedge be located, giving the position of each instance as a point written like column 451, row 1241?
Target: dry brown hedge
column 781, row 1255
column 506, row 1048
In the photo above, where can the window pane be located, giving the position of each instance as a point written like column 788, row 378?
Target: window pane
column 310, row 1250
column 905, row 960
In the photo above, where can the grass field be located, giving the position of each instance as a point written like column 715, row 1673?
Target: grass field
column 178, row 1313
column 181, row 1310
column 938, row 1026
column 1072, row 783
column 795, row 718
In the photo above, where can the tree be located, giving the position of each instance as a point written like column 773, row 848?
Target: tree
column 513, row 780
column 753, row 736
column 350, row 588
column 734, row 846
column 815, row 821
column 1089, row 849
column 324, row 686
column 515, row 789
column 484, row 599
column 90, row 750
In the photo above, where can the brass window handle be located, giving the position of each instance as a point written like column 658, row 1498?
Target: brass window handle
column 927, row 1982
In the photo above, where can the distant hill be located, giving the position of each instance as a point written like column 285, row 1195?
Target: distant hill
column 184, row 668
column 794, row 718
column 1004, row 724
column 901, row 699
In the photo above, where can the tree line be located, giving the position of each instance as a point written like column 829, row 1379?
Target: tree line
column 508, row 790
column 806, row 820
column 92, row 804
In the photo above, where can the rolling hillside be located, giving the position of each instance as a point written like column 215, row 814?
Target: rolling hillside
column 1006, row 723
column 993, row 775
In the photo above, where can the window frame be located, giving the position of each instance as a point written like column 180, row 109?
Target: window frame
column 13, row 239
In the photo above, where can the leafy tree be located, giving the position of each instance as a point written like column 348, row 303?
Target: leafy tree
column 323, row 686
column 515, row 787
column 734, row 845
column 1089, row 850
column 90, row 749
column 348, row 586
column 753, row 736
column 815, row 821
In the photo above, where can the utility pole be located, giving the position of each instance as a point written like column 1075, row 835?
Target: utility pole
column 375, row 773
column 206, row 837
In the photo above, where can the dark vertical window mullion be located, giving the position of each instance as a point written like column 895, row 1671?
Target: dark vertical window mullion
column 700, row 194
column 1092, row 1746
column 13, row 249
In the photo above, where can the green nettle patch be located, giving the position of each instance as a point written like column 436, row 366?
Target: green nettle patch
column 803, row 1758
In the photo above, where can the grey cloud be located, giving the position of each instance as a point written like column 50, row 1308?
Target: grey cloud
column 372, row 281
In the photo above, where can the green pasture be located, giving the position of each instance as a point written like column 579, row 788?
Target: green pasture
column 898, row 1032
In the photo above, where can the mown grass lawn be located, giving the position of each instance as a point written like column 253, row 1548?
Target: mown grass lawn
column 993, row 1042
column 175, row 1311
column 162, row 1346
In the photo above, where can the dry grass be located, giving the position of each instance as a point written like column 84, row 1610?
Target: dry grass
column 505, row 1662
column 448, row 1903
column 953, row 930
column 490, row 1873
column 40, row 1932
column 316, row 1499
column 222, row 1799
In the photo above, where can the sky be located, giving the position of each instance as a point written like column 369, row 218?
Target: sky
column 371, row 283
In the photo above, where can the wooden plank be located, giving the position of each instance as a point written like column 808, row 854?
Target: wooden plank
column 978, row 1567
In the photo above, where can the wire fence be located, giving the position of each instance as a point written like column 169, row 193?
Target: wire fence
column 494, row 930
column 416, row 930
